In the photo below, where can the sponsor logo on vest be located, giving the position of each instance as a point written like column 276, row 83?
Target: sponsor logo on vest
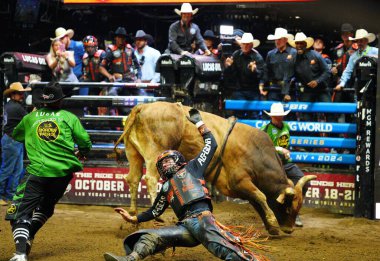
column 211, row 67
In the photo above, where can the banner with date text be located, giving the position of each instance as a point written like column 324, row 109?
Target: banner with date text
column 335, row 192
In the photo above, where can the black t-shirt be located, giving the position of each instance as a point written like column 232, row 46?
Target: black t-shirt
column 13, row 114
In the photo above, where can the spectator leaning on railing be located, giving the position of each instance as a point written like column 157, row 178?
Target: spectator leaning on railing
column 311, row 72
column 362, row 38
column 280, row 64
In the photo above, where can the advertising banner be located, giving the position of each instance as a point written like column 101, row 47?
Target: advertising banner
column 103, row 186
column 335, row 192
column 107, row 186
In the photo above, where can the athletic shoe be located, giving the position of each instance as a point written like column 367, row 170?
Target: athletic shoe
column 298, row 221
column 19, row 257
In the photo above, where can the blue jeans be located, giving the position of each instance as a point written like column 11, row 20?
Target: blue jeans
column 12, row 155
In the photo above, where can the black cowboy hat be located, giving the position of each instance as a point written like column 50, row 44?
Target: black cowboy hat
column 52, row 93
column 346, row 27
column 208, row 34
column 120, row 31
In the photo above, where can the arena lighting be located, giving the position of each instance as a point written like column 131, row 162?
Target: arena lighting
column 176, row 2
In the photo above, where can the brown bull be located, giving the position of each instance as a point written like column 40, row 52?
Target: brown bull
column 251, row 169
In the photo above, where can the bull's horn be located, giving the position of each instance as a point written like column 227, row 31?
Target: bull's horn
column 288, row 192
column 304, row 180
column 281, row 198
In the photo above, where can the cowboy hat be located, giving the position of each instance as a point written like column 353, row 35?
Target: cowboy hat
column 208, row 34
column 248, row 38
column 280, row 33
column 61, row 32
column 362, row 33
column 120, row 31
column 52, row 93
column 186, row 8
column 346, row 27
column 301, row 37
column 277, row 109
column 15, row 87
column 141, row 34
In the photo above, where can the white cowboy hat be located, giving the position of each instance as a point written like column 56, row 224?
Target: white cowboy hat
column 277, row 109
column 61, row 32
column 362, row 33
column 301, row 37
column 186, row 8
column 248, row 38
column 280, row 33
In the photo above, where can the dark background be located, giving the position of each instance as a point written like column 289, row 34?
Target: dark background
column 27, row 25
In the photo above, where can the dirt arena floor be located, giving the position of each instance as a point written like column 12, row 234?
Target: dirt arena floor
column 86, row 232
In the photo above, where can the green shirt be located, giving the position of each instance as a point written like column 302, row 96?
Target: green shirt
column 280, row 137
column 49, row 136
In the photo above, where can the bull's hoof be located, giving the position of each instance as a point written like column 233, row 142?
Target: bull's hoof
column 274, row 231
column 287, row 230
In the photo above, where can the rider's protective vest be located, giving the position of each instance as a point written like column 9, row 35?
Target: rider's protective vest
column 122, row 60
column 185, row 189
column 91, row 66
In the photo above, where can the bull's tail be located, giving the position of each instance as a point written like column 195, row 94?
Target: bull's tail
column 127, row 129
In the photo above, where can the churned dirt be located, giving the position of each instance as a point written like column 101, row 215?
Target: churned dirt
column 86, row 232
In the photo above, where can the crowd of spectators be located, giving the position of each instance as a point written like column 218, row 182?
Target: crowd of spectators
column 299, row 68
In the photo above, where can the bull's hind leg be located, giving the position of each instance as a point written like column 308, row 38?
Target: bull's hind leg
column 151, row 178
column 135, row 173
column 259, row 201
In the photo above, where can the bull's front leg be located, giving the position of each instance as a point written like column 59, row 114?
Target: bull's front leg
column 259, row 201
column 134, row 176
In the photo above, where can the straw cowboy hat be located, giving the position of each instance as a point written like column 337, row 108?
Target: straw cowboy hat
column 15, row 87
column 248, row 38
column 301, row 37
column 61, row 32
column 362, row 33
column 186, row 8
column 277, row 109
column 280, row 33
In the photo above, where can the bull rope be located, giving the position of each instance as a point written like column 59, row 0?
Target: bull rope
column 232, row 120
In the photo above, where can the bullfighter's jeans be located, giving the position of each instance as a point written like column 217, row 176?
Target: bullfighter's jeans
column 12, row 155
